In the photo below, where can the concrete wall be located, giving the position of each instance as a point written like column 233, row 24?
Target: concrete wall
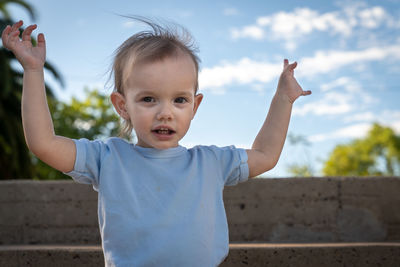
column 315, row 210
column 263, row 210
column 34, row 212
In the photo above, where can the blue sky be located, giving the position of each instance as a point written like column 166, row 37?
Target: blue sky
column 348, row 54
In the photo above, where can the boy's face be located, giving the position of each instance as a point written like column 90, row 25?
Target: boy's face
column 160, row 101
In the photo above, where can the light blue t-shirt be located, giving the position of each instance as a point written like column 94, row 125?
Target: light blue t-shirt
column 160, row 207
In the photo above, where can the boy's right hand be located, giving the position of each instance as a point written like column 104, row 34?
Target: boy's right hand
column 31, row 57
column 57, row 151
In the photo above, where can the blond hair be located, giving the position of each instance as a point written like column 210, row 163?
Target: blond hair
column 150, row 46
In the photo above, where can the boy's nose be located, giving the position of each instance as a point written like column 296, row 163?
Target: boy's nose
column 164, row 113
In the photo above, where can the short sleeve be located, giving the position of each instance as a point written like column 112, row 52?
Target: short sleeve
column 87, row 162
column 233, row 162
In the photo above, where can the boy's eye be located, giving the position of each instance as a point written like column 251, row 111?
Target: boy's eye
column 148, row 99
column 180, row 100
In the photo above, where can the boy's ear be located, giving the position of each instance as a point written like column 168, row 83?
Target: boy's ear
column 197, row 100
column 118, row 101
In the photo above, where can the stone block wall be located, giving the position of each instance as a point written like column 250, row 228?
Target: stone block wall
column 315, row 210
column 288, row 210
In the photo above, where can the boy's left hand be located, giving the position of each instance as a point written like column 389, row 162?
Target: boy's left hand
column 287, row 83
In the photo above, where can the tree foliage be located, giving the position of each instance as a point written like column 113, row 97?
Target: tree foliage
column 376, row 154
column 15, row 160
column 301, row 170
column 6, row 14
column 91, row 118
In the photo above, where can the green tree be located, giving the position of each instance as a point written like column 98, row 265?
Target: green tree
column 301, row 170
column 6, row 16
column 376, row 154
column 15, row 160
column 91, row 118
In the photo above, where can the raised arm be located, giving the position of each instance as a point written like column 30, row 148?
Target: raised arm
column 268, row 144
column 59, row 152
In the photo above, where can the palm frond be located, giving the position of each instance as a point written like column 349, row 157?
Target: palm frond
column 3, row 8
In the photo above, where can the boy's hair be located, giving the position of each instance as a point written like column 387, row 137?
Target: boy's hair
column 147, row 47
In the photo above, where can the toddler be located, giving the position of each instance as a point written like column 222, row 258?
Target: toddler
column 159, row 204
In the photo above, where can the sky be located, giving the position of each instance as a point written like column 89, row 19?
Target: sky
column 348, row 54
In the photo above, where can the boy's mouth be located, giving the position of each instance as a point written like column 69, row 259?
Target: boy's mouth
column 163, row 131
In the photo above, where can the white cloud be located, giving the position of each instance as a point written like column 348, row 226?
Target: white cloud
column 372, row 17
column 258, row 87
column 290, row 45
column 342, row 81
column 396, row 126
column 365, row 116
column 247, row 71
column 289, row 26
column 254, row 32
column 332, row 103
column 354, row 131
column 341, row 96
column 326, row 61
column 388, row 118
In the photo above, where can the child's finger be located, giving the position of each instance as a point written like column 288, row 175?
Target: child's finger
column 14, row 34
column 41, row 42
column 9, row 37
column 293, row 66
column 16, row 25
column 6, row 31
column 285, row 63
column 4, row 35
column 26, row 35
column 308, row 92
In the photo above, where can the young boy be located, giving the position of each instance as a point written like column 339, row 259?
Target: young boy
column 159, row 204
